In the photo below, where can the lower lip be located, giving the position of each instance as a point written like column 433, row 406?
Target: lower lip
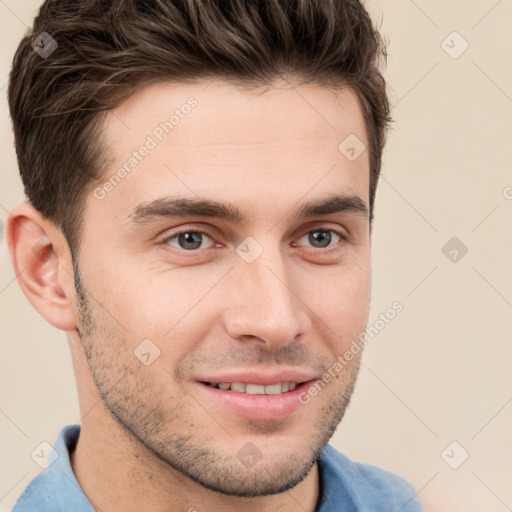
column 256, row 407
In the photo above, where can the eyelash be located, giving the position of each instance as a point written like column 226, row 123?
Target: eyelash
column 192, row 252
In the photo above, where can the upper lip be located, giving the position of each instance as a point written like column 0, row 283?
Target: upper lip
column 264, row 378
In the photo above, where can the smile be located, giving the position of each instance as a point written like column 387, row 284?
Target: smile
column 255, row 389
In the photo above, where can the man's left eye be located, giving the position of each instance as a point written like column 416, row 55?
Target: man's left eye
column 321, row 238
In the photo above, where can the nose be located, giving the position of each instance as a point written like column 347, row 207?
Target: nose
column 264, row 305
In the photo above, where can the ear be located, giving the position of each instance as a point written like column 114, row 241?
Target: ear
column 42, row 261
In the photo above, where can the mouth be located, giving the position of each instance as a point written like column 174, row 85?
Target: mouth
column 267, row 399
column 255, row 389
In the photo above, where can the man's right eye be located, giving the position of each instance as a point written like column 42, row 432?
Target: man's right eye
column 188, row 240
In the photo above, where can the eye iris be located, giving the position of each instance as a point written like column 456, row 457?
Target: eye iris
column 190, row 240
column 320, row 236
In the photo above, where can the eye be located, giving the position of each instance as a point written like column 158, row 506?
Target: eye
column 321, row 238
column 188, row 240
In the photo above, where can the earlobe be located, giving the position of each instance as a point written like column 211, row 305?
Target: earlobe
column 42, row 263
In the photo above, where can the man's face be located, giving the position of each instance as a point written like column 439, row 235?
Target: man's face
column 264, row 303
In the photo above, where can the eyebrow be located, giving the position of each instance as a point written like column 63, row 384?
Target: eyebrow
column 187, row 207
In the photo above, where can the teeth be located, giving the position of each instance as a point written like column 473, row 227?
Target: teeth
column 238, row 386
column 273, row 389
column 256, row 389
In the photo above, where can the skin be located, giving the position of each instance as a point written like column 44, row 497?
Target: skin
column 150, row 438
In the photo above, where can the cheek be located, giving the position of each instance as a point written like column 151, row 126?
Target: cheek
column 354, row 298
column 171, row 307
column 340, row 297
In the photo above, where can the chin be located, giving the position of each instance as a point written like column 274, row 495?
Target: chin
column 255, row 482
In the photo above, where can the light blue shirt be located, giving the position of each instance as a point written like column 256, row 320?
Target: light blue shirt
column 345, row 486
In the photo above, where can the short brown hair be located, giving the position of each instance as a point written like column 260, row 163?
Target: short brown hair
column 109, row 49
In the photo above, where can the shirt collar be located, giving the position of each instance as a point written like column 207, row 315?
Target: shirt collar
column 64, row 486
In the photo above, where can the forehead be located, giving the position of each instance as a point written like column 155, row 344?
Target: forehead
column 214, row 139
column 227, row 114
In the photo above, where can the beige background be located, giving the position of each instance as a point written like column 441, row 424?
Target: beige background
column 438, row 373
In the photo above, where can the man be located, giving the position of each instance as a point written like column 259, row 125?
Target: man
column 200, row 179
